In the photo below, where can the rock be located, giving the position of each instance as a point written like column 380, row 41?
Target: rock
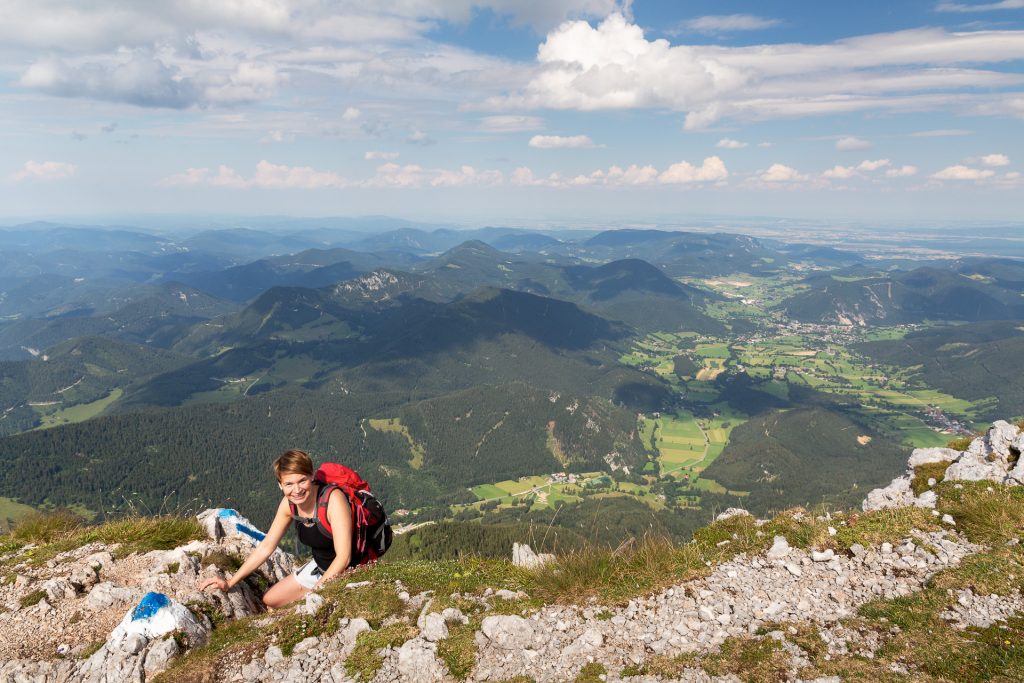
column 225, row 524
column 454, row 615
column 273, row 655
column 306, row 644
column 58, row 589
column 160, row 655
column 794, row 569
column 976, row 467
column 312, row 603
column 948, row 519
column 157, row 615
column 508, row 632
column 506, row 594
column 106, row 594
column 823, row 556
column 434, row 628
column 730, row 513
column 523, row 556
column 590, row 640
column 928, row 456
column 1001, row 436
column 779, row 549
column 928, row 499
column 418, row 663
column 897, row 494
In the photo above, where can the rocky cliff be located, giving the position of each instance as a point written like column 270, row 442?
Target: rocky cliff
column 923, row 584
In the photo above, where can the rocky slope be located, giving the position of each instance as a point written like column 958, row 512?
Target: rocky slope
column 96, row 614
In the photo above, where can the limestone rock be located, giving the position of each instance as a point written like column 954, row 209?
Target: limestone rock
column 928, row 456
column 523, row 556
column 779, row 549
column 508, row 632
column 418, row 663
column 434, row 628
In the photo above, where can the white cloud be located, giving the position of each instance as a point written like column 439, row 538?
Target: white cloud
column 266, row 176
column 351, row 114
column 868, row 165
column 780, row 173
column 840, row 172
column 901, row 172
column 766, row 144
column 418, row 137
column 725, row 23
column 729, row 143
column 561, row 142
column 613, row 66
column 982, row 7
column 45, row 170
column 851, row 144
column 467, row 175
column 510, row 124
column 941, row 133
column 961, row 172
column 380, row 156
column 995, row 160
column 631, row 175
column 712, row 169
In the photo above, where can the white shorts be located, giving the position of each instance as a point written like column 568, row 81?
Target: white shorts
column 309, row 574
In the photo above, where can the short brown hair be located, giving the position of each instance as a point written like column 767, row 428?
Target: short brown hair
column 293, row 462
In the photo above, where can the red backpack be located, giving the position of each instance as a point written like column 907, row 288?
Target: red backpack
column 371, row 533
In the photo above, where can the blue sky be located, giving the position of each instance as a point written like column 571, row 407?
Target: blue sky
column 505, row 111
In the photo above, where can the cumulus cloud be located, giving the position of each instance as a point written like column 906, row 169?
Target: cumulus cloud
column 712, row 169
column 729, row 143
column 901, row 172
column 961, row 172
column 850, row 143
column 614, row 66
column 510, row 124
column 267, row 175
column 380, row 156
column 869, row 165
column 995, row 160
column 780, row 173
column 726, row 23
column 45, row 170
column 840, row 172
column 467, row 175
column 351, row 114
column 561, row 142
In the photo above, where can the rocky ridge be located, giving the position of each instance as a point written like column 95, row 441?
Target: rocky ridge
column 86, row 592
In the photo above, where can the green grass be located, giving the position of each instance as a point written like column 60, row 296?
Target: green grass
column 12, row 511
column 80, row 412
column 488, row 492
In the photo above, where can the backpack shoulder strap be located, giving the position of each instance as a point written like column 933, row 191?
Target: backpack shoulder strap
column 322, row 499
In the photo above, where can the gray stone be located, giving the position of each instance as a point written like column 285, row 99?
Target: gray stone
column 160, row 655
column 434, row 628
column 106, row 594
column 929, row 456
column 779, row 549
column 508, row 632
column 523, row 556
column 418, row 663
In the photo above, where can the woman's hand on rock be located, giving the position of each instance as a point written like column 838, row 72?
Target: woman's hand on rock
column 214, row 581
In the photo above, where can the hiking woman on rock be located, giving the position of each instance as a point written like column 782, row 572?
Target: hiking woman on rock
column 301, row 503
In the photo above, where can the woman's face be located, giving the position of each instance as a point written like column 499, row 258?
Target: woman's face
column 296, row 487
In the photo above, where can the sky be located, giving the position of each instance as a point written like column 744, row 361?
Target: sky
column 505, row 111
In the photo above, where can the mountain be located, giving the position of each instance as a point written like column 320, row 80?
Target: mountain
column 151, row 314
column 77, row 372
column 927, row 293
column 975, row 362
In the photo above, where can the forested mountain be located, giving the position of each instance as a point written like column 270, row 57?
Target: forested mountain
column 152, row 314
column 979, row 361
column 928, row 293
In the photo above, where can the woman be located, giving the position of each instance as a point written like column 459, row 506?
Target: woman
column 331, row 556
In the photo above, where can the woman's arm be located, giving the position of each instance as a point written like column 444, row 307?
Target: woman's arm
column 340, row 516
column 259, row 555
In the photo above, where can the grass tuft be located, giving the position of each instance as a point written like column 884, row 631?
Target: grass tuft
column 33, row 598
column 365, row 660
column 46, row 527
column 961, row 443
column 755, row 660
column 987, row 513
column 922, row 473
column 458, row 651
column 591, row 673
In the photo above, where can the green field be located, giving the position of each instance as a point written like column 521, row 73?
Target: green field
column 81, row 412
column 12, row 511
column 393, row 424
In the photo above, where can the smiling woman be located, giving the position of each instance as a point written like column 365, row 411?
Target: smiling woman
column 332, row 554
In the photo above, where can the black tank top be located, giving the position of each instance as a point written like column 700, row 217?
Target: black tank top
column 321, row 544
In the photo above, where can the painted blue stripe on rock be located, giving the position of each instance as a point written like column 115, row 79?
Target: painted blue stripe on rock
column 150, row 604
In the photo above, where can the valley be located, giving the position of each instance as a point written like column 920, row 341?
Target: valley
column 606, row 384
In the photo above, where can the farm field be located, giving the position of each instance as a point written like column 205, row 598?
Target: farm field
column 80, row 412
